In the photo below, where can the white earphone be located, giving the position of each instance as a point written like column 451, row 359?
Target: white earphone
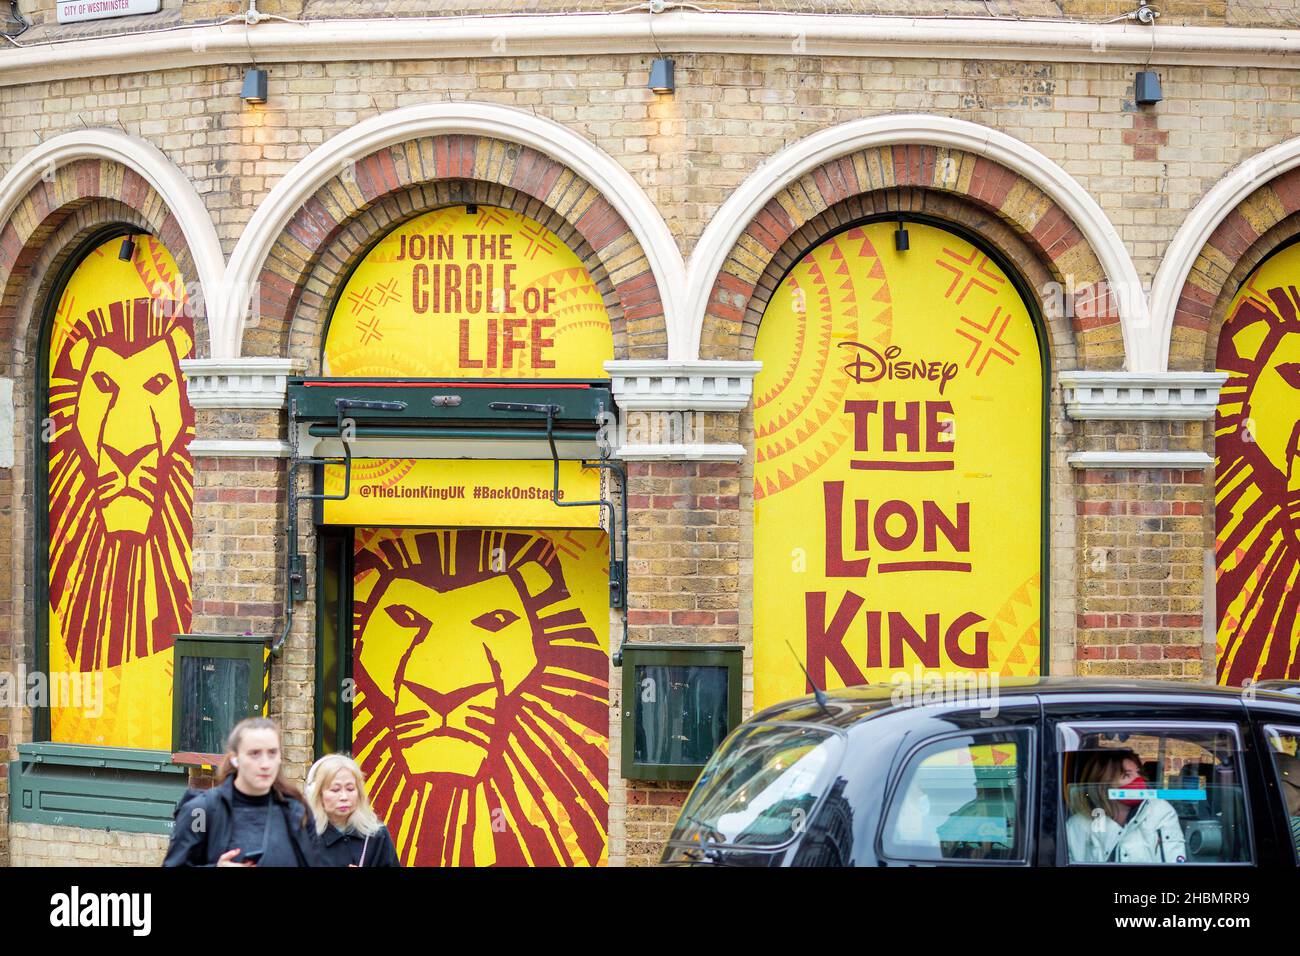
column 311, row 773
column 234, row 761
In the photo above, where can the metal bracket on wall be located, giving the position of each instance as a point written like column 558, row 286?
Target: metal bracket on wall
column 617, row 561
column 449, row 409
column 296, row 561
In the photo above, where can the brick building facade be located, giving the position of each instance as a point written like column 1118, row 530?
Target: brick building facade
column 1133, row 226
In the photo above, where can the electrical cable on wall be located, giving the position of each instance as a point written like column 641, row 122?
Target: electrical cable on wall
column 16, row 15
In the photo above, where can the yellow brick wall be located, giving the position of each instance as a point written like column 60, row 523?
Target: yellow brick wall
column 35, row 844
column 689, row 152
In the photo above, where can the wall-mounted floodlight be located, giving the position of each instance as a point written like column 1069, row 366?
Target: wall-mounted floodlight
column 900, row 237
column 1146, row 88
column 254, row 90
column 661, row 76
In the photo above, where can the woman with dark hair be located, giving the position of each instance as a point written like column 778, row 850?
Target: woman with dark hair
column 1111, row 821
column 252, row 817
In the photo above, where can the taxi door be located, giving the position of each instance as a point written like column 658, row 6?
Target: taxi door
column 1168, row 779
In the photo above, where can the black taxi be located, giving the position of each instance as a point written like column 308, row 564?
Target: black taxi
column 1044, row 772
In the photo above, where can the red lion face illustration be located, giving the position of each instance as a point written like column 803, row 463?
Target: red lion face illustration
column 1257, row 489
column 121, row 482
column 482, row 710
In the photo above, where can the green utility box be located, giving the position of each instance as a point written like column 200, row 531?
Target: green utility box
column 218, row 680
column 679, row 702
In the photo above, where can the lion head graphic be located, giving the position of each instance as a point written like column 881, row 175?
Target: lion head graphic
column 121, row 482
column 481, row 715
column 1257, row 488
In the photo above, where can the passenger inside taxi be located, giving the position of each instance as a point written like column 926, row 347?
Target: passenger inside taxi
column 1288, row 768
column 1114, row 818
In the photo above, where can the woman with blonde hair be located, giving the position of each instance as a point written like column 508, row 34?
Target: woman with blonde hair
column 348, row 833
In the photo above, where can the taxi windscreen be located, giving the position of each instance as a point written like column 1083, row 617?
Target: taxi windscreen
column 759, row 790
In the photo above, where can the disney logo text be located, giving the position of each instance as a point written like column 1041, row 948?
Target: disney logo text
column 868, row 365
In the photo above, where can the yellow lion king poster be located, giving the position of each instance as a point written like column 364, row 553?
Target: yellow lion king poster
column 470, row 292
column 121, row 489
column 480, row 654
column 481, row 719
column 1257, row 478
column 898, row 467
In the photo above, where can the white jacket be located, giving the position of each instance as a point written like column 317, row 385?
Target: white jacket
column 1151, row 835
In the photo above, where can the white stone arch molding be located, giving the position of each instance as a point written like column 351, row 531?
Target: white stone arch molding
column 546, row 136
column 177, row 192
column 807, row 154
column 1184, row 249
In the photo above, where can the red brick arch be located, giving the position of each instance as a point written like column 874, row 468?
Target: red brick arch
column 98, row 192
column 977, row 192
column 331, row 230
column 1264, row 220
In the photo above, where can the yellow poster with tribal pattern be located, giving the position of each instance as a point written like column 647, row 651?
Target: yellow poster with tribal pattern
column 470, row 292
column 1257, row 478
column 481, row 715
column 121, row 489
column 898, row 467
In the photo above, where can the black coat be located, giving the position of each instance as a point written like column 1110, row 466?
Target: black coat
column 203, row 822
column 336, row 848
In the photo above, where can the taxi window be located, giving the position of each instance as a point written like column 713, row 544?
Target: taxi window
column 1284, row 744
column 1147, row 795
column 963, row 798
column 760, row 788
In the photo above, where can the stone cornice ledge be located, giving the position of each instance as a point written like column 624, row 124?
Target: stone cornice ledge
column 1140, row 395
column 237, row 383
column 239, row 448
column 1184, row 460
column 694, row 31
column 673, row 385
column 683, row 452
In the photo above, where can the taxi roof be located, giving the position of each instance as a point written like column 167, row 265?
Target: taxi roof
column 850, row 705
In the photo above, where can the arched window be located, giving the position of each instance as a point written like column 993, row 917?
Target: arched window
column 119, row 481
column 899, row 467
column 464, row 637
column 1257, row 477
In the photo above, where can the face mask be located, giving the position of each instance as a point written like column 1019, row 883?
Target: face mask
column 1136, row 782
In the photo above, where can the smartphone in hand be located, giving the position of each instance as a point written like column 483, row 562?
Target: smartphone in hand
column 253, row 857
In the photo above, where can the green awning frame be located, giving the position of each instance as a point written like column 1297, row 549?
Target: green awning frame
column 352, row 409
column 452, row 407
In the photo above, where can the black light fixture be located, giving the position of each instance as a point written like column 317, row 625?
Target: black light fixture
column 661, row 76
column 254, row 90
column 900, row 236
column 1146, row 88
column 127, row 251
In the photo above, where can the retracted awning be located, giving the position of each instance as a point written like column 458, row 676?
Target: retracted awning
column 336, row 421
column 490, row 409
